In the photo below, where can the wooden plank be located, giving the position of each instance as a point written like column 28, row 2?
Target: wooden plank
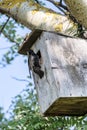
column 30, row 41
column 63, row 89
column 33, row 36
column 72, row 106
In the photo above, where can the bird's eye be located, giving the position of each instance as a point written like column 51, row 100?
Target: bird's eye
column 39, row 54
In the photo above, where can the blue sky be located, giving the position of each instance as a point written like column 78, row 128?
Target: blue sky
column 9, row 87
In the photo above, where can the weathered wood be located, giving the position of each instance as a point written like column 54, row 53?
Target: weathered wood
column 33, row 36
column 29, row 42
column 63, row 89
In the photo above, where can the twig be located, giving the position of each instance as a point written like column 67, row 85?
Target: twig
column 60, row 1
column 37, row 2
column 58, row 4
column 20, row 79
column 4, row 25
column 64, row 9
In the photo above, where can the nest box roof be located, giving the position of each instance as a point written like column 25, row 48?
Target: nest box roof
column 30, row 40
column 27, row 44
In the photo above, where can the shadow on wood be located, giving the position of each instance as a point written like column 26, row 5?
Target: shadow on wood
column 63, row 89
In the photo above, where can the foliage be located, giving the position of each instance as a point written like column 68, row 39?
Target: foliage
column 3, row 120
column 25, row 115
column 1, row 114
column 10, row 34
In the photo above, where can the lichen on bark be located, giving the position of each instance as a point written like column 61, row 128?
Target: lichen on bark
column 35, row 16
column 10, row 3
column 78, row 9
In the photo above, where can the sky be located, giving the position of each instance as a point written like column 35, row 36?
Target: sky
column 9, row 86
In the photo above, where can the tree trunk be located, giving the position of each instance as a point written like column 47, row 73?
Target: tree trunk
column 78, row 9
column 35, row 16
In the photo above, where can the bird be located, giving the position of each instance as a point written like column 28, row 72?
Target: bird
column 34, row 63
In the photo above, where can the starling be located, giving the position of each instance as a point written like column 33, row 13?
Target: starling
column 34, row 61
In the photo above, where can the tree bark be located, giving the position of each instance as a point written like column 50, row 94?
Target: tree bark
column 78, row 8
column 35, row 16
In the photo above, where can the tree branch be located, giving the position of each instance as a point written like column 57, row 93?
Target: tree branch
column 57, row 22
column 78, row 8
column 63, row 9
column 4, row 25
column 3, row 11
column 60, row 1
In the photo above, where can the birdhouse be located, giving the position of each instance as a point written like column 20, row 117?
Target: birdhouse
column 62, row 87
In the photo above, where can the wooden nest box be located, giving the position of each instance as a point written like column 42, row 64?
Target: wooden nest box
column 63, row 88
